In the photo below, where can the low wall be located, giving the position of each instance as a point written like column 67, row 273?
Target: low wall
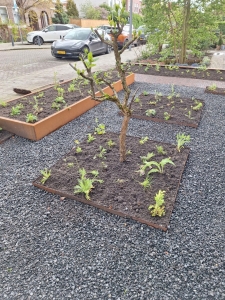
column 86, row 23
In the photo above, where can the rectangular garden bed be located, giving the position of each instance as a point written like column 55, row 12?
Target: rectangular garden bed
column 5, row 135
column 171, row 108
column 122, row 191
column 213, row 89
column 53, row 120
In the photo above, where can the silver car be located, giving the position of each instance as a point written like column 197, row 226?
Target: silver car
column 78, row 41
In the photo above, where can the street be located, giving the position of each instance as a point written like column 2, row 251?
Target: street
column 35, row 68
column 21, row 62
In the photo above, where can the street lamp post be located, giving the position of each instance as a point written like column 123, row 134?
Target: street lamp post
column 17, row 18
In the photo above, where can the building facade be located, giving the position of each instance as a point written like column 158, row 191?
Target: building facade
column 36, row 17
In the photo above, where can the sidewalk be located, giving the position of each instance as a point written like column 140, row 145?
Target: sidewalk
column 24, row 46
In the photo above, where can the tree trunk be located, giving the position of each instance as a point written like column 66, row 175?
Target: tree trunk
column 123, row 133
column 185, row 30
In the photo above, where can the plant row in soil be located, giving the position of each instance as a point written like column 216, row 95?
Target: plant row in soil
column 178, row 71
column 170, row 109
column 121, row 190
column 50, row 100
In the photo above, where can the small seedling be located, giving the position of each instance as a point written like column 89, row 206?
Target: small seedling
column 110, row 143
column 16, row 110
column 137, row 100
column 100, row 129
column 71, row 88
column 167, row 116
column 46, row 174
column 3, row 103
column 40, row 95
column 158, row 95
column 158, row 209
column 160, row 150
column 78, row 148
column 59, row 99
column 102, row 153
column 159, row 167
column 212, row 87
column 189, row 115
column 143, row 140
column 145, row 93
column 70, row 165
column 30, row 118
column 152, row 102
column 91, row 138
column 129, row 152
column 36, row 107
column 56, row 105
column 157, row 67
column 146, row 183
column 147, row 157
column 181, row 140
column 150, row 112
column 198, row 105
column 85, row 185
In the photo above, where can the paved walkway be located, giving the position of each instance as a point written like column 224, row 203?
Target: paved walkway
column 39, row 79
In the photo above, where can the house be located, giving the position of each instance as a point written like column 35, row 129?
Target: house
column 37, row 17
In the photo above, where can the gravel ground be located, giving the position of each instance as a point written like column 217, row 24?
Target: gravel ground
column 61, row 249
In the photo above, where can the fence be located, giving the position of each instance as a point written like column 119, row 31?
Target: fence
column 86, row 23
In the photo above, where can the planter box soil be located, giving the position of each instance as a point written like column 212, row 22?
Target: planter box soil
column 121, row 192
column 49, row 119
column 178, row 108
column 181, row 72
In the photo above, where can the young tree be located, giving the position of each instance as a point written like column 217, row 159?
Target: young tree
column 117, row 18
column 183, row 24
column 60, row 16
column 72, row 9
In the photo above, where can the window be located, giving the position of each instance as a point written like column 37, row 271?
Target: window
column 4, row 14
column 62, row 27
column 51, row 28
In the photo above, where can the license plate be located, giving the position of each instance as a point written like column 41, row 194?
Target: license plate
column 61, row 52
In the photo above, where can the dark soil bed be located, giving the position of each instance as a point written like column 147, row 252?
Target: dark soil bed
column 121, row 192
column 177, row 110
column 215, row 90
column 175, row 71
column 5, row 135
column 46, row 98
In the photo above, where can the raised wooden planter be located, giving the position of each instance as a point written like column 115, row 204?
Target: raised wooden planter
column 43, row 127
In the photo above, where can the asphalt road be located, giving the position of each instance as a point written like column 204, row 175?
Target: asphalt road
column 21, row 62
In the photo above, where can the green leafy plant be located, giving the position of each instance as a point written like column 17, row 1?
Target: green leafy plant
column 36, row 107
column 78, row 148
column 70, row 165
column 146, row 183
column 100, row 129
column 143, row 140
column 167, row 116
column 145, row 93
column 182, row 139
column 160, row 150
column 129, row 152
column 91, row 138
column 55, row 105
column 189, row 115
column 40, row 95
column 158, row 95
column 85, row 184
column 59, row 99
column 158, row 209
column 102, row 153
column 71, row 88
column 16, row 110
column 3, row 103
column 137, row 100
column 150, row 112
column 212, row 87
column 157, row 67
column 46, row 174
column 110, row 143
column 30, row 118
column 159, row 166
column 198, row 105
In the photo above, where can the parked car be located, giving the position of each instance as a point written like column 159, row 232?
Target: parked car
column 50, row 33
column 143, row 34
column 77, row 41
column 123, row 38
column 104, row 27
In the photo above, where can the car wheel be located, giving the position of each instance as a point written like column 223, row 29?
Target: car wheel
column 35, row 40
column 108, row 49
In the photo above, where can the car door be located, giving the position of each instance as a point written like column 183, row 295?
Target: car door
column 49, row 34
column 95, row 45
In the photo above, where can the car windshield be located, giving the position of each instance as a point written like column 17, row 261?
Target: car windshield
column 77, row 34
